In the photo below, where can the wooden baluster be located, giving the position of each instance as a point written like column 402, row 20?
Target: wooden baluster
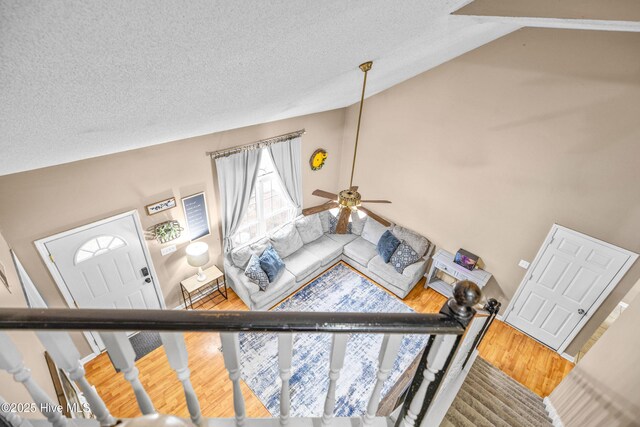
column 11, row 361
column 437, row 357
column 176, row 352
column 64, row 352
column 231, row 355
column 338, row 351
column 285, row 353
column 388, row 352
column 123, row 357
column 14, row 419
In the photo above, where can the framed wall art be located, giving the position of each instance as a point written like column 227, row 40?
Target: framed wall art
column 160, row 206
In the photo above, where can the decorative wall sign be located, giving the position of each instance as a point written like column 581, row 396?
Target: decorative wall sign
column 160, row 206
column 197, row 216
column 317, row 159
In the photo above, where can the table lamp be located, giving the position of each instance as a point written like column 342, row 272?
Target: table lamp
column 198, row 256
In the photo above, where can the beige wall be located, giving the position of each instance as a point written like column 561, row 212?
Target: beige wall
column 43, row 202
column 27, row 342
column 487, row 151
column 602, row 390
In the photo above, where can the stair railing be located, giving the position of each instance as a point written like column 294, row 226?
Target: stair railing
column 445, row 330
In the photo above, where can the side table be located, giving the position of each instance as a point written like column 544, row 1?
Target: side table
column 215, row 284
column 443, row 263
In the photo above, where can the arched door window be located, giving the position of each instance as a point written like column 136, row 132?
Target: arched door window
column 98, row 246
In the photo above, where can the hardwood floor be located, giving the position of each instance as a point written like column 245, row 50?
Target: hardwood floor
column 528, row 362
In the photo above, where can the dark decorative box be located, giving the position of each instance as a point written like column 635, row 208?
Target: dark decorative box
column 466, row 259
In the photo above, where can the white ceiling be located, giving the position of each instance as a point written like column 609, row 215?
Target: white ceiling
column 80, row 78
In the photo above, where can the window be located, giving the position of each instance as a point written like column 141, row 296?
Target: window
column 269, row 206
column 98, row 246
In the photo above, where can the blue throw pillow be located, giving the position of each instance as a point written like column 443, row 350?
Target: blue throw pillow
column 256, row 274
column 403, row 257
column 271, row 263
column 387, row 245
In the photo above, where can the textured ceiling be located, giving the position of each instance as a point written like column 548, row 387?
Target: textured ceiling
column 80, row 79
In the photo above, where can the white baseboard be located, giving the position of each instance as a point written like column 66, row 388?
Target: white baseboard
column 88, row 358
column 570, row 358
column 553, row 414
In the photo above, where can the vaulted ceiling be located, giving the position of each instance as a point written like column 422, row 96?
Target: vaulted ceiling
column 80, row 79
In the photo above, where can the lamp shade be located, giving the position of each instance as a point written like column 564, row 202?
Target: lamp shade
column 197, row 254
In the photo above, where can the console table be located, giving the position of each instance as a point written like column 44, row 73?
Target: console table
column 443, row 262
column 215, row 282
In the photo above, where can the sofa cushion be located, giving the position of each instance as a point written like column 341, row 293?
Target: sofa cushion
column 255, row 273
column 326, row 248
column 324, row 220
column 373, row 230
column 361, row 251
column 271, row 263
column 386, row 272
column 259, row 246
column 309, row 227
column 282, row 285
column 387, row 245
column 404, row 256
column 241, row 256
column 343, row 239
column 333, row 223
column 419, row 243
column 301, row 263
column 357, row 223
column 286, row 240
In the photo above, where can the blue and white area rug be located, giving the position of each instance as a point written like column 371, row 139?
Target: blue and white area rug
column 340, row 289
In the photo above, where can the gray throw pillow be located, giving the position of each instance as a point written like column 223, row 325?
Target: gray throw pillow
column 286, row 240
column 324, row 219
column 357, row 223
column 403, row 257
column 373, row 230
column 241, row 256
column 256, row 274
column 309, row 227
column 416, row 241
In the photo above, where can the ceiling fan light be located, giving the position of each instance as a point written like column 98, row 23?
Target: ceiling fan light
column 361, row 214
column 334, row 211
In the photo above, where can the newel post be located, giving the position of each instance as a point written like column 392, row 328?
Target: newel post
column 437, row 355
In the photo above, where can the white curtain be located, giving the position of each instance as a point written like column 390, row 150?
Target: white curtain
column 286, row 159
column 237, row 175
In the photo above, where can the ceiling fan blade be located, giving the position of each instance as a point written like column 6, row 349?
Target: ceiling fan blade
column 374, row 216
column 320, row 208
column 375, row 201
column 325, row 194
column 354, row 188
column 343, row 221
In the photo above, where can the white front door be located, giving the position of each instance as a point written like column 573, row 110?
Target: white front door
column 565, row 283
column 104, row 265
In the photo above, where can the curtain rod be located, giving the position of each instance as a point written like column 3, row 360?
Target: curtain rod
column 257, row 144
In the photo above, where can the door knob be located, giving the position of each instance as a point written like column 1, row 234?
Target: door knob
column 580, row 311
column 148, row 280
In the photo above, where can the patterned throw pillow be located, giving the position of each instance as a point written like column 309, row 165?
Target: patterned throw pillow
column 403, row 257
column 387, row 245
column 256, row 274
column 333, row 223
column 271, row 263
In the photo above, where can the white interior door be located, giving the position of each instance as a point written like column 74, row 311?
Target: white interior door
column 565, row 284
column 105, row 265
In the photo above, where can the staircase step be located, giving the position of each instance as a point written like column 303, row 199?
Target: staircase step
column 490, row 412
column 469, row 414
column 489, row 397
column 510, row 410
column 508, row 391
column 455, row 418
column 488, row 367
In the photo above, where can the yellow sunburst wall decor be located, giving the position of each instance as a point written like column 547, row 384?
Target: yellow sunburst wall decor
column 317, row 159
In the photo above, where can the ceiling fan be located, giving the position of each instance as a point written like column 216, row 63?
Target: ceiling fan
column 348, row 200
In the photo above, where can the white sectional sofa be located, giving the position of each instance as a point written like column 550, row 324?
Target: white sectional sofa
column 307, row 249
